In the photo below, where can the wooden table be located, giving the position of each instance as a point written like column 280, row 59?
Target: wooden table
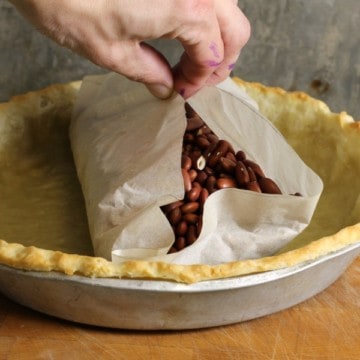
column 324, row 327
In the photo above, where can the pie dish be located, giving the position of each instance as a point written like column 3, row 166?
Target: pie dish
column 42, row 216
column 46, row 259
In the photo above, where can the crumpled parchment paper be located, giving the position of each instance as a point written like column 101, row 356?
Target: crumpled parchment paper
column 127, row 150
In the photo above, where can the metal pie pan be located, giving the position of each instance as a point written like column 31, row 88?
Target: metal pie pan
column 154, row 305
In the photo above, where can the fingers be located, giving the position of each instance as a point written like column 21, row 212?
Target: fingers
column 203, row 53
column 235, row 34
column 209, row 58
column 139, row 62
column 212, row 33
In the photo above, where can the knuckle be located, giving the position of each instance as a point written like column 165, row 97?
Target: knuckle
column 110, row 56
column 196, row 11
column 243, row 29
column 197, row 6
column 123, row 59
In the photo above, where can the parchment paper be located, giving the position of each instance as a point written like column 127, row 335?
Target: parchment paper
column 127, row 150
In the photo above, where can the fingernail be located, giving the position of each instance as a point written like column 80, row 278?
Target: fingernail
column 160, row 90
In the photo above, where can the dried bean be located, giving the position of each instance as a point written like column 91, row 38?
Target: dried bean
column 201, row 177
column 189, row 138
column 209, row 150
column 197, row 160
column 241, row 174
column 174, row 216
column 192, row 174
column 187, row 180
column 225, row 175
column 240, row 155
column 255, row 167
column 210, row 184
column 229, row 155
column 194, row 193
column 225, row 182
column 167, row 208
column 191, row 235
column 209, row 171
column 204, row 194
column 202, row 142
column 268, row 186
column 253, row 186
column 220, row 150
column 204, row 130
column 180, row 243
column 190, row 207
column 252, row 175
column 181, row 228
column 213, row 138
column 186, row 162
column 194, row 123
column 209, row 164
column 191, row 218
column 227, row 165
column 173, row 250
column 194, row 155
column 187, row 149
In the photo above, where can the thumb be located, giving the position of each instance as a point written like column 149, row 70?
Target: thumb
column 141, row 62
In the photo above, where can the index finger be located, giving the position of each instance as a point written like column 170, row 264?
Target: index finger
column 235, row 32
column 203, row 53
column 211, row 53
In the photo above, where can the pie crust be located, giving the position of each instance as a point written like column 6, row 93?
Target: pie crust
column 42, row 215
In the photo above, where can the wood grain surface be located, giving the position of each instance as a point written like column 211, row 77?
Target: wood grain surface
column 324, row 327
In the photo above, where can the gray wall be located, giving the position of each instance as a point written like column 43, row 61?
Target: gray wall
column 309, row 45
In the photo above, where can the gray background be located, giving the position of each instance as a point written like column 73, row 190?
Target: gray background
column 309, row 45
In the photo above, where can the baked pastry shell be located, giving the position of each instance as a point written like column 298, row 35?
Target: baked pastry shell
column 35, row 125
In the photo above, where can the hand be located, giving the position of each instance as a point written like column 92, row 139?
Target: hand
column 111, row 33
